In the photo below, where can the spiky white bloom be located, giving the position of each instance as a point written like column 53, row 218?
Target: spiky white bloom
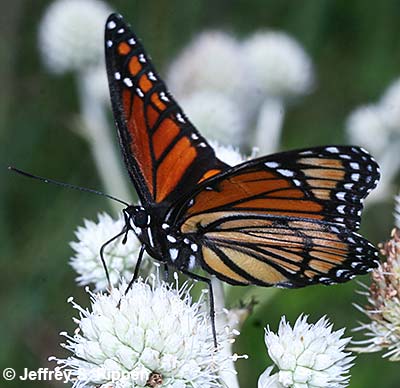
column 71, row 34
column 213, row 60
column 366, row 126
column 120, row 258
column 267, row 381
column 279, row 63
column 216, row 114
column 307, row 355
column 383, row 310
column 152, row 336
column 228, row 154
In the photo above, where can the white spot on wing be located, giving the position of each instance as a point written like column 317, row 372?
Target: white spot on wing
column 117, row 75
column 180, row 118
column 284, row 172
column 194, row 247
column 152, row 76
column 121, row 31
column 341, row 195
column 340, row 209
column 142, row 58
column 332, row 150
column 355, row 166
column 139, row 92
column 164, row 97
column 132, row 41
column 355, row 177
column 109, row 43
column 128, row 82
column 111, row 25
column 272, row 164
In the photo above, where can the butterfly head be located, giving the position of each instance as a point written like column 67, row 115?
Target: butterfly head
column 137, row 218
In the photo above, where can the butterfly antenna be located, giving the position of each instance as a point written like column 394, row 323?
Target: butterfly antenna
column 67, row 185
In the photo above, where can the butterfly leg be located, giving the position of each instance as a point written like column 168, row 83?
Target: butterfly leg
column 102, row 255
column 166, row 272
column 212, row 305
column 137, row 267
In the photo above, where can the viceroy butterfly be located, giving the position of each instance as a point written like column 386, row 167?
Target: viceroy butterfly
column 287, row 220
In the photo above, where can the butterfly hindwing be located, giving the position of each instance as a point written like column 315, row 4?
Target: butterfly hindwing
column 287, row 252
column 164, row 154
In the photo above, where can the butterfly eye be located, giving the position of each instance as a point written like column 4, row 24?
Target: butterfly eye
column 141, row 218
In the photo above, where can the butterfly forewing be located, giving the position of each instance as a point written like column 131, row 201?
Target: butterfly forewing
column 164, row 154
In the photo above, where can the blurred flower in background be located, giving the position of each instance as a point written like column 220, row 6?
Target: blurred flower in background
column 397, row 211
column 120, row 258
column 307, row 356
column 152, row 336
column 383, row 309
column 229, row 89
column 71, row 35
column 209, row 80
column 377, row 128
column 71, row 38
column 282, row 71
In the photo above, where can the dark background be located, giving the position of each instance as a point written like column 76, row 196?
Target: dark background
column 355, row 46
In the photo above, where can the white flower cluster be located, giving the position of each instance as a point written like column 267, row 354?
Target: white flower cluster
column 383, row 309
column 222, row 83
column 152, row 336
column 377, row 128
column 307, row 356
column 120, row 258
column 71, row 34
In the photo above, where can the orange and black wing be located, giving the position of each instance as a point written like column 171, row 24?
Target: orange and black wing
column 163, row 152
column 289, row 217
column 282, row 251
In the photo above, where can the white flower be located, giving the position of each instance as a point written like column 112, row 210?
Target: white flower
column 213, row 61
column 397, row 211
column 71, row 34
column 267, row 381
column 307, row 355
column 366, row 126
column 383, row 309
column 228, row 154
column 94, row 83
column 217, row 116
column 279, row 64
column 390, row 103
column 154, row 335
column 120, row 258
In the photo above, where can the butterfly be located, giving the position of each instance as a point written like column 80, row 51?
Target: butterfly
column 286, row 220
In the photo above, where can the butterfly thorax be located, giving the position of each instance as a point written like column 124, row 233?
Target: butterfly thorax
column 162, row 241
